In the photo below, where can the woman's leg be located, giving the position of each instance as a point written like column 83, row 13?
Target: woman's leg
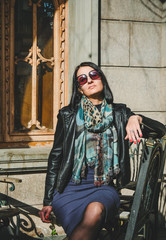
column 91, row 223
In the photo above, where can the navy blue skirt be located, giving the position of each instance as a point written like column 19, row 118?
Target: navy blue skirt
column 69, row 206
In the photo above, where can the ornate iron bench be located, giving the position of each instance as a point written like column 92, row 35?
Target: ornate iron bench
column 7, row 212
column 138, row 216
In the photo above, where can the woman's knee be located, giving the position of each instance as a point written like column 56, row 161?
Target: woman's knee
column 95, row 213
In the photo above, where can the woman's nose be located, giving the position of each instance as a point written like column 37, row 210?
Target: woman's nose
column 89, row 79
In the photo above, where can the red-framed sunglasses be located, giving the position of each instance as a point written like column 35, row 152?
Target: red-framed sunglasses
column 83, row 78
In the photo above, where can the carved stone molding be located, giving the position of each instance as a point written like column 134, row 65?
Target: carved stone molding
column 7, row 63
column 62, row 48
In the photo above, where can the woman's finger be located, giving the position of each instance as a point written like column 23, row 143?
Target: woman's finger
column 45, row 213
column 133, row 129
column 139, row 131
column 133, row 136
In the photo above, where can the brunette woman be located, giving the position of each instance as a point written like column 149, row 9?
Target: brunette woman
column 90, row 149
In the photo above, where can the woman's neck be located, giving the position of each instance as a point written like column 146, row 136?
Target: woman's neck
column 96, row 101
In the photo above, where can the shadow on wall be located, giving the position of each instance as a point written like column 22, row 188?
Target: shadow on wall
column 154, row 8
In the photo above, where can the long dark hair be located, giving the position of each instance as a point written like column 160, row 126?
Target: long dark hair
column 76, row 95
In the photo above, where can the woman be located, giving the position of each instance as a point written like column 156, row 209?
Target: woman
column 90, row 149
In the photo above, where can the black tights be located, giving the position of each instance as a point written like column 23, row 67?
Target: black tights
column 91, row 224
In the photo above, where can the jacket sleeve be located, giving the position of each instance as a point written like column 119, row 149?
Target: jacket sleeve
column 122, row 115
column 54, row 161
column 149, row 125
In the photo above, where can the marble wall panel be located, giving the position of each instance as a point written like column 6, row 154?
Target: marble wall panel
column 163, row 46
column 145, row 44
column 114, row 43
column 142, row 89
column 137, row 10
column 131, row 44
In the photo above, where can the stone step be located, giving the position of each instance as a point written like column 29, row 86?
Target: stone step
column 60, row 237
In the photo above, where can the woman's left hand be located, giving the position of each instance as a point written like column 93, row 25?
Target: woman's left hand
column 133, row 129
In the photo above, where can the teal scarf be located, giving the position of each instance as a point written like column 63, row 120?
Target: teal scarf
column 96, row 142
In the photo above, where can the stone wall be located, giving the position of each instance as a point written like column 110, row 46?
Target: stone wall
column 133, row 54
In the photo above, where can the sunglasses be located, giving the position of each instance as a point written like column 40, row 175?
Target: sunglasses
column 83, row 78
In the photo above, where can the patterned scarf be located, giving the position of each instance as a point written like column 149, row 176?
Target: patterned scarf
column 95, row 143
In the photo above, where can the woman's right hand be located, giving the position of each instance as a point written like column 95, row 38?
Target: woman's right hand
column 44, row 213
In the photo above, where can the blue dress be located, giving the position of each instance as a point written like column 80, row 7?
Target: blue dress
column 70, row 205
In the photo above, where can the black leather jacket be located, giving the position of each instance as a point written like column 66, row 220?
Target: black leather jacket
column 60, row 160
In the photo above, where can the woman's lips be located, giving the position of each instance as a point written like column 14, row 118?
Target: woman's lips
column 91, row 87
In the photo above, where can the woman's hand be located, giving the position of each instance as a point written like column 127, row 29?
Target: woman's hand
column 45, row 213
column 133, row 129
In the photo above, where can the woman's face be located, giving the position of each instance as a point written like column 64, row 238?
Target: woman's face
column 91, row 88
